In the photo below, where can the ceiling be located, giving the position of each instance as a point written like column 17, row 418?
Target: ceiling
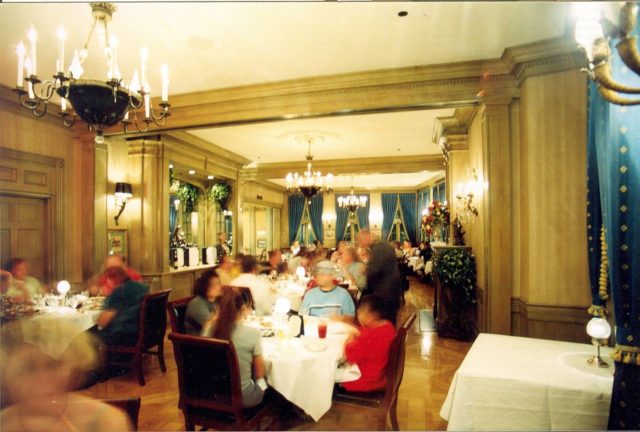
column 218, row 45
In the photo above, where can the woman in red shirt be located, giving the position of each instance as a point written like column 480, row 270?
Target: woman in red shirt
column 370, row 349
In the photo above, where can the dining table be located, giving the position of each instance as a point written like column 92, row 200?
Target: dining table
column 305, row 369
column 520, row 383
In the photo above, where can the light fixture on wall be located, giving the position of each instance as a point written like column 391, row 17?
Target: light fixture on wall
column 467, row 211
column 593, row 31
column 375, row 219
column 176, row 204
column 329, row 219
column 227, row 213
column 352, row 202
column 100, row 104
column 310, row 183
column 123, row 193
column 599, row 330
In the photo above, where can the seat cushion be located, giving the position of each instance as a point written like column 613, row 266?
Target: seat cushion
column 370, row 399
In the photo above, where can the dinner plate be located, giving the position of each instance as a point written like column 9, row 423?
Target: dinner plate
column 315, row 346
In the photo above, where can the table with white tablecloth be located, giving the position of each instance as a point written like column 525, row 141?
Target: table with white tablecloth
column 517, row 383
column 303, row 370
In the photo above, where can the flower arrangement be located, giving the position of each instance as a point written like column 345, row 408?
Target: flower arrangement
column 438, row 215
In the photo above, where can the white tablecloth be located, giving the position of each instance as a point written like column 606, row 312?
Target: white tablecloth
column 516, row 383
column 305, row 378
column 415, row 262
column 43, row 330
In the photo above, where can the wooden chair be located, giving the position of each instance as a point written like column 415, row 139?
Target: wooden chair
column 153, row 325
column 177, row 313
column 209, row 381
column 384, row 401
column 131, row 406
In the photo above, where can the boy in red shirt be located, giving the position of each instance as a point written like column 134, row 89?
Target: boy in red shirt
column 370, row 349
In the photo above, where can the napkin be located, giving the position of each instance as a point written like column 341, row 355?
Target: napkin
column 347, row 372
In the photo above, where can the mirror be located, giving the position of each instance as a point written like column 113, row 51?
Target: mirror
column 260, row 229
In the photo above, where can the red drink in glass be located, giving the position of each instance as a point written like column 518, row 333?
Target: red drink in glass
column 322, row 330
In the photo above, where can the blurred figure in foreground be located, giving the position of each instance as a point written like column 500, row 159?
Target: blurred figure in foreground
column 36, row 387
column 208, row 291
column 17, row 284
column 101, row 287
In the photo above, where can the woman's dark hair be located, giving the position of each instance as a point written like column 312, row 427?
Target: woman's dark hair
column 202, row 283
column 248, row 264
column 373, row 303
column 231, row 305
column 9, row 265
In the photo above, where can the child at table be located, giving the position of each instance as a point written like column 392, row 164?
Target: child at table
column 370, row 349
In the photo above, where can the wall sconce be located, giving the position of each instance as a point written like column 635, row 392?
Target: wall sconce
column 228, row 213
column 375, row 219
column 599, row 330
column 590, row 35
column 176, row 204
column 329, row 219
column 467, row 211
column 123, row 193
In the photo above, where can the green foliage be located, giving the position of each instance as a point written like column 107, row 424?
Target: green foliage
column 220, row 193
column 189, row 195
column 457, row 270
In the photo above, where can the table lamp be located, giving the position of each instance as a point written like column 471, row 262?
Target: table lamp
column 599, row 330
column 63, row 287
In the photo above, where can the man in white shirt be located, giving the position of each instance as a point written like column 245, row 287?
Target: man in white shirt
column 263, row 295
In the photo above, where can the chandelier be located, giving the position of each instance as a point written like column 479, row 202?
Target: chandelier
column 352, row 202
column 310, row 183
column 100, row 104
column 590, row 35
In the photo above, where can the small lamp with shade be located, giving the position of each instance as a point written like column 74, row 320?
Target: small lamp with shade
column 599, row 330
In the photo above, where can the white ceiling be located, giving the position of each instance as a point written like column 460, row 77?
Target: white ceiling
column 342, row 137
column 218, row 45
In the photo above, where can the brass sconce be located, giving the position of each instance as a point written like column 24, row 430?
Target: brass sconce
column 467, row 210
column 328, row 219
column 123, row 193
column 590, row 35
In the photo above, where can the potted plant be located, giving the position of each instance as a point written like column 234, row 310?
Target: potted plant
column 456, row 271
column 189, row 195
column 220, row 193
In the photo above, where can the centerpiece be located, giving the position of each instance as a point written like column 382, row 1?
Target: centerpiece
column 435, row 221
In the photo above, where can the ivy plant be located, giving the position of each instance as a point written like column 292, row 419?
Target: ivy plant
column 457, row 270
column 189, row 195
column 220, row 193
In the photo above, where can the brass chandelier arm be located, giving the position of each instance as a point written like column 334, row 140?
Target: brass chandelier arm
column 602, row 75
column 628, row 50
column 615, row 98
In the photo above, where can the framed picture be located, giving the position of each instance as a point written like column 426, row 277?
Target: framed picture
column 261, row 244
column 330, row 235
column 117, row 242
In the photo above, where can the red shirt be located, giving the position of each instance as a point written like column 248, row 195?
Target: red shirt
column 370, row 351
column 102, row 282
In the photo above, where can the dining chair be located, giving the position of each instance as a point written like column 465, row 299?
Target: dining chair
column 177, row 313
column 209, row 384
column 383, row 402
column 151, row 331
column 131, row 406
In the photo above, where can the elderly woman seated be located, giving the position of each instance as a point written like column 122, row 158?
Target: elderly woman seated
column 327, row 298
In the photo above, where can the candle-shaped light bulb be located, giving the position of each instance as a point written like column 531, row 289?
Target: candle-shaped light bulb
column 164, row 70
column 135, row 82
column 147, row 104
column 144, row 55
column 29, row 68
column 62, row 36
column 114, row 52
column 75, row 68
column 20, row 51
column 63, row 104
column 32, row 35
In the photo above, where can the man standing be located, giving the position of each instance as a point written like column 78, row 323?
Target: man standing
column 383, row 276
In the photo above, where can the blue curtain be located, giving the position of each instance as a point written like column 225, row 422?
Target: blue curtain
column 315, row 213
column 410, row 215
column 173, row 215
column 296, row 207
column 342, row 216
column 389, row 204
column 363, row 213
column 614, row 132
column 423, row 200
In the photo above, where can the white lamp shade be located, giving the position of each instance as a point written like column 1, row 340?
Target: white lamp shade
column 599, row 328
column 63, row 287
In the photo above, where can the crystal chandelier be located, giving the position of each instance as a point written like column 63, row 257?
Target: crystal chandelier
column 352, row 202
column 311, row 182
column 595, row 42
column 100, row 104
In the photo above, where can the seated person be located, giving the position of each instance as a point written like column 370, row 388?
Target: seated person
column 260, row 288
column 352, row 270
column 17, row 284
column 327, row 294
column 275, row 259
column 235, row 305
column 119, row 321
column 370, row 349
column 204, row 304
column 115, row 260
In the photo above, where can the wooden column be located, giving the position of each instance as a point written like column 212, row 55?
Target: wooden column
column 498, row 214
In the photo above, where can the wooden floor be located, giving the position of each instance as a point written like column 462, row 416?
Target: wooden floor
column 430, row 365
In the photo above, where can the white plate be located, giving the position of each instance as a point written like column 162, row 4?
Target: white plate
column 315, row 346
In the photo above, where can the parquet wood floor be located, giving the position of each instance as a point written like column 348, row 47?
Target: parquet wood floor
column 430, row 365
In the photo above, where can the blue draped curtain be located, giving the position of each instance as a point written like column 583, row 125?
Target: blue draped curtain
column 410, row 215
column 315, row 213
column 423, row 200
column 389, row 204
column 363, row 213
column 342, row 216
column 614, row 133
column 173, row 215
column 296, row 207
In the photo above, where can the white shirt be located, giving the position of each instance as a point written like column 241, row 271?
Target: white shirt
column 260, row 290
